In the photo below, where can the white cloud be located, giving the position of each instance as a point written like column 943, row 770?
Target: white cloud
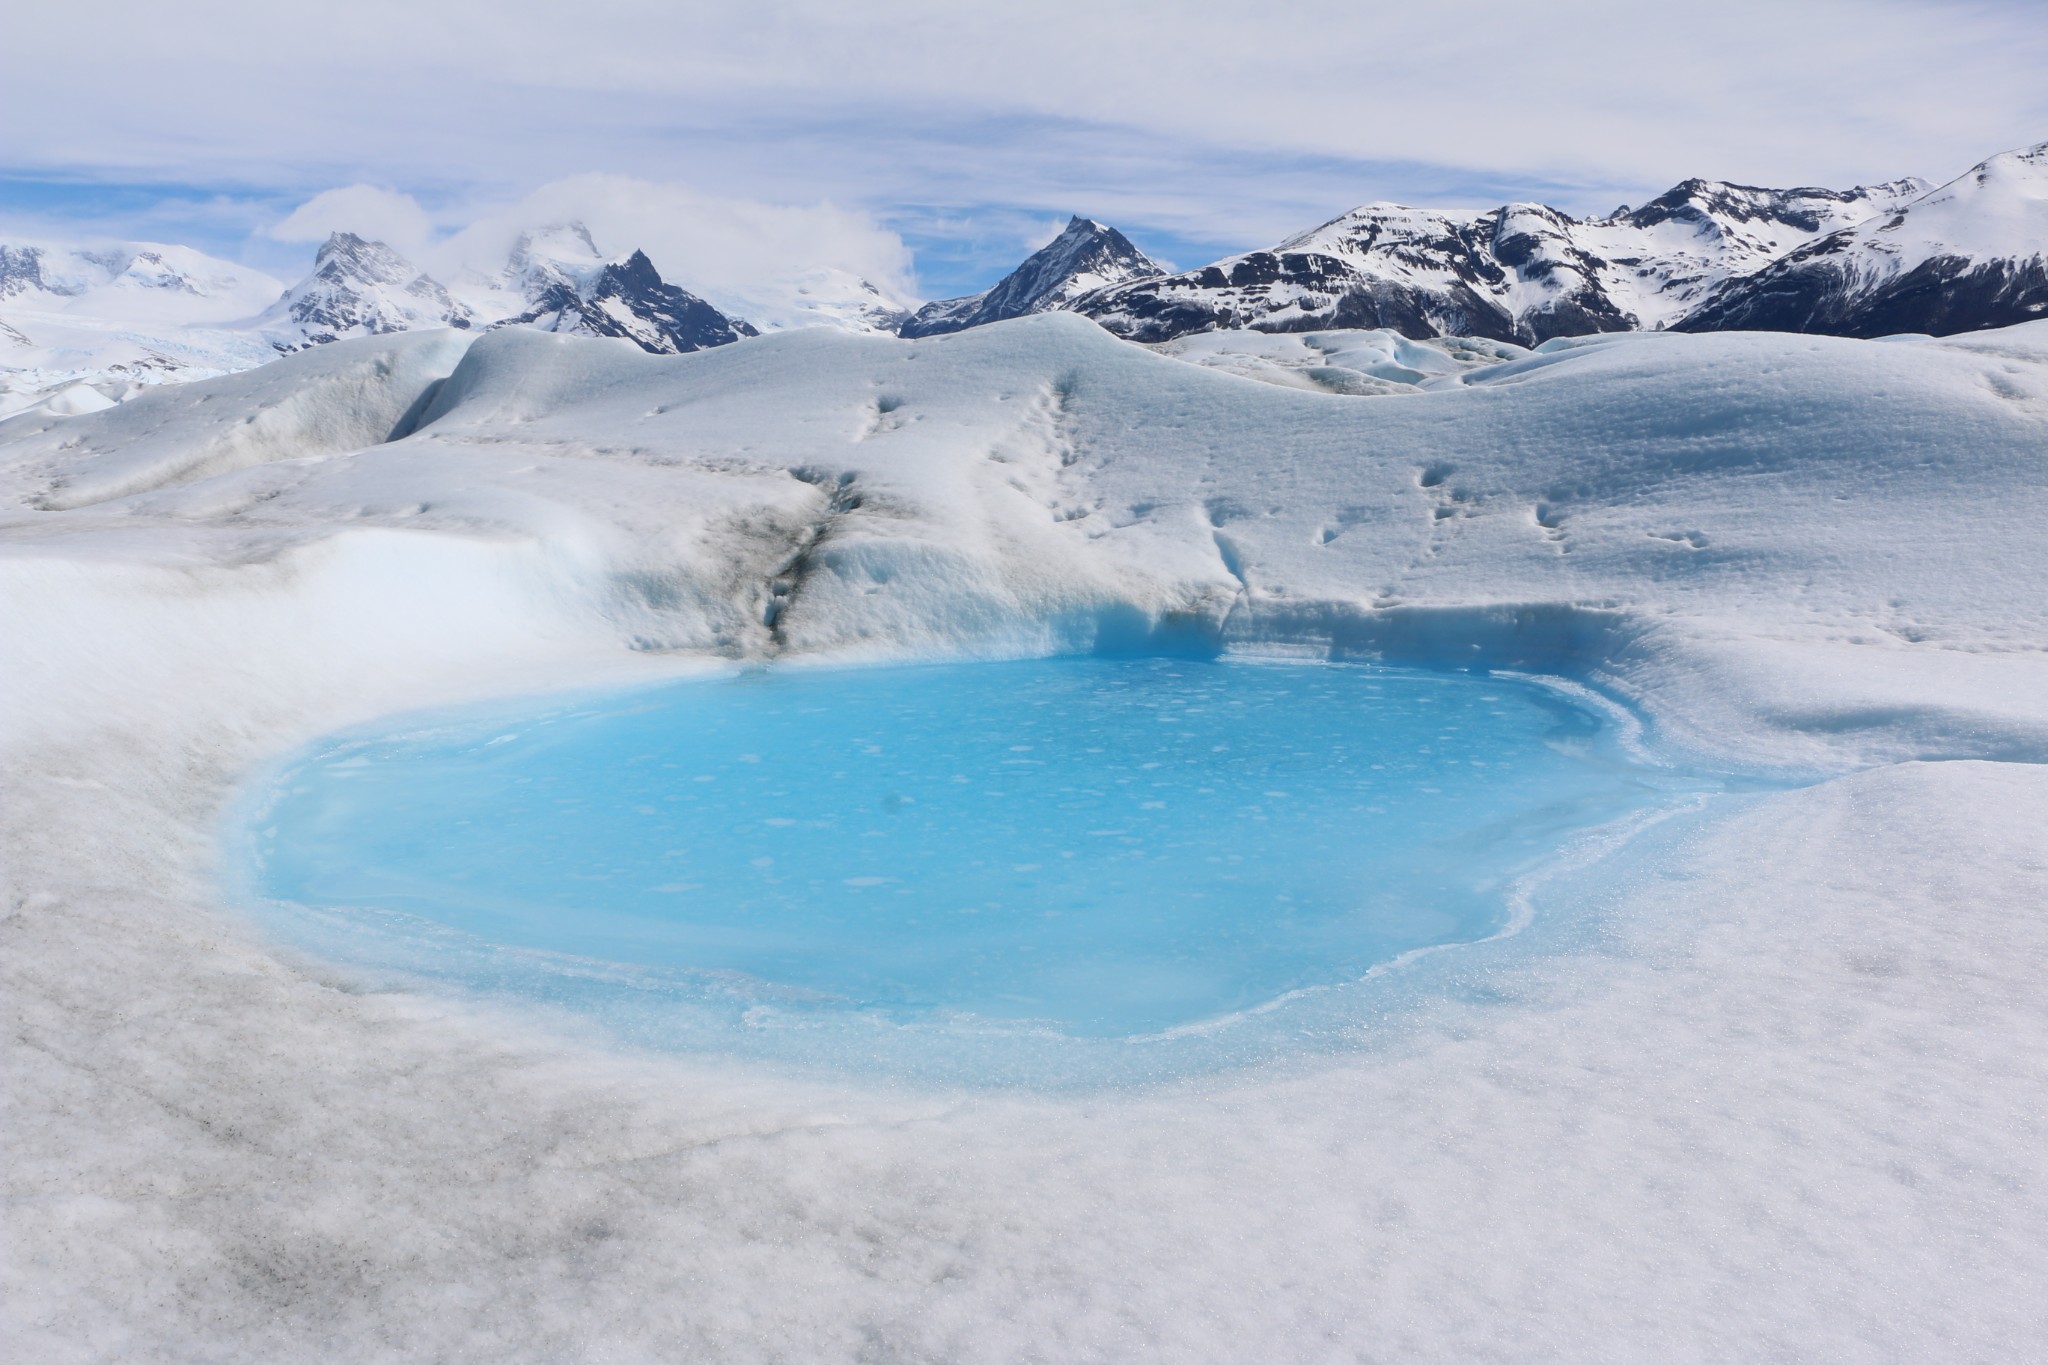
column 1213, row 117
column 742, row 254
column 1824, row 87
column 713, row 245
column 384, row 215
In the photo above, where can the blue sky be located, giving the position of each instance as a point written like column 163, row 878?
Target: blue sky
column 933, row 143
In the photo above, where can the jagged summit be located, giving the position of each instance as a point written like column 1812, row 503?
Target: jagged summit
column 1676, row 249
column 629, row 299
column 554, row 279
column 559, row 281
column 360, row 287
column 1716, row 204
column 1085, row 257
column 1970, row 254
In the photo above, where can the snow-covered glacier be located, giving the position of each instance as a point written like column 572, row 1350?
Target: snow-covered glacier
column 1786, row 1102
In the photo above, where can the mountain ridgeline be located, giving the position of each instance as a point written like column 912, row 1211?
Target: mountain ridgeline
column 84, row 327
column 1970, row 255
column 1706, row 255
column 555, row 281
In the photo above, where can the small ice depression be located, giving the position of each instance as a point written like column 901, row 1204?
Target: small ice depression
column 947, row 869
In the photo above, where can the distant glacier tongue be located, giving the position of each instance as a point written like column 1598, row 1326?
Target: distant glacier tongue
column 1087, row 848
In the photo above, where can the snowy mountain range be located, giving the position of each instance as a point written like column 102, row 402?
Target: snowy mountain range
column 1705, row 255
column 555, row 280
column 1970, row 255
column 1522, row 272
column 83, row 328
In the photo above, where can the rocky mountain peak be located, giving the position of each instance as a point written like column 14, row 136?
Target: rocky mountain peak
column 361, row 287
column 21, row 270
column 635, row 273
column 1084, row 257
column 628, row 298
column 344, row 255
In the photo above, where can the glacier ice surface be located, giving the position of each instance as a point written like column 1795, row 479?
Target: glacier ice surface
column 1785, row 1102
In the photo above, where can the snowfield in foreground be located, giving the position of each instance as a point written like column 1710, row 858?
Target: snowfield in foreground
column 1791, row 1106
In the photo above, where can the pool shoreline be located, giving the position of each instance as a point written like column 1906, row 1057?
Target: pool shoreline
column 418, row 953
